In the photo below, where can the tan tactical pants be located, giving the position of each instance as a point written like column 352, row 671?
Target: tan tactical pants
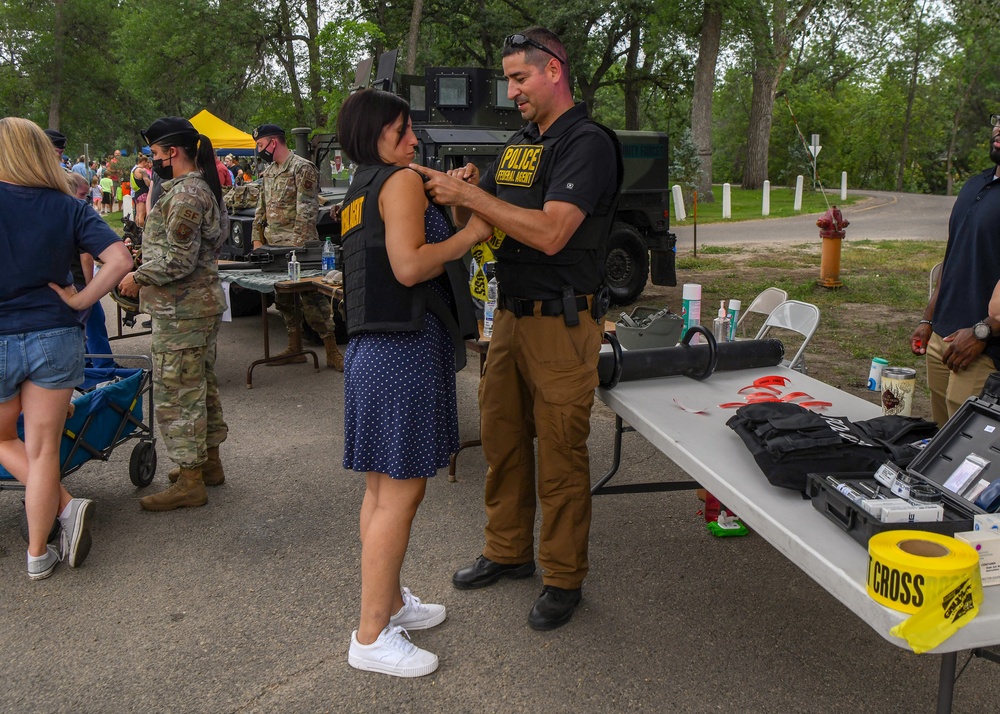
column 539, row 381
column 950, row 389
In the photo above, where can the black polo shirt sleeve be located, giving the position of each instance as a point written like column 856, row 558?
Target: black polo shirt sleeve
column 584, row 170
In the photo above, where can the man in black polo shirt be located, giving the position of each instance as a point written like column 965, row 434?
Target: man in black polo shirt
column 550, row 195
column 961, row 341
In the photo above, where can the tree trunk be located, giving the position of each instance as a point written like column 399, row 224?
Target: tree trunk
column 953, row 139
column 765, row 84
column 772, row 43
column 701, row 100
column 632, row 81
column 413, row 36
column 908, row 117
column 287, row 59
column 315, row 74
column 58, row 35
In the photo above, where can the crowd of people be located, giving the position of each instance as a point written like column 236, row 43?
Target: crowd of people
column 408, row 311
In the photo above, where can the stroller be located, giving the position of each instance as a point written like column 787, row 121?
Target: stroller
column 108, row 412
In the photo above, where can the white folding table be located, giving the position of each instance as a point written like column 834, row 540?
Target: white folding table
column 714, row 456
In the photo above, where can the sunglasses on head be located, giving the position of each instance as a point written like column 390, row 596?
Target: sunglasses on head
column 518, row 41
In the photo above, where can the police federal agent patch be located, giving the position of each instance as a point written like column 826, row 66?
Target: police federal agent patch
column 352, row 215
column 519, row 165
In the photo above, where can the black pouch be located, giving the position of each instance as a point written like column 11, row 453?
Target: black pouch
column 788, row 442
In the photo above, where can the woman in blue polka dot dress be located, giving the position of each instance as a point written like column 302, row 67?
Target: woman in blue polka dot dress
column 403, row 303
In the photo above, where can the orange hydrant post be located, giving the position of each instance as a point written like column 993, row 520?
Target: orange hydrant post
column 831, row 230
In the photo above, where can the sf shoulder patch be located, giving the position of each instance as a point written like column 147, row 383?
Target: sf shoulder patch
column 519, row 165
column 352, row 215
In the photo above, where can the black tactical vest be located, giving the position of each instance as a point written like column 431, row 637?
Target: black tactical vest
column 374, row 300
column 522, row 176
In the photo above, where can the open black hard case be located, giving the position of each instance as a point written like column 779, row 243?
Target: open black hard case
column 974, row 429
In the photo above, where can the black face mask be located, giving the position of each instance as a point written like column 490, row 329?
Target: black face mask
column 266, row 156
column 164, row 172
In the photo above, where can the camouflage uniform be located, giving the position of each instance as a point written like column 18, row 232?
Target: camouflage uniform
column 286, row 215
column 181, row 291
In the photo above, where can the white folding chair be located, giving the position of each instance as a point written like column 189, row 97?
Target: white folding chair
column 932, row 281
column 763, row 304
column 795, row 316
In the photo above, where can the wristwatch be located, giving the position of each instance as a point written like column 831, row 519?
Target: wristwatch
column 982, row 331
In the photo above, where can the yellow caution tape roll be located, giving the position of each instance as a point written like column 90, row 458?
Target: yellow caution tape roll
column 933, row 577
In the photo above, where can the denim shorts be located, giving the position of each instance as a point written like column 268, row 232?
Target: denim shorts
column 52, row 359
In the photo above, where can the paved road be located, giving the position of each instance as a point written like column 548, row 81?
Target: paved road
column 247, row 604
column 881, row 216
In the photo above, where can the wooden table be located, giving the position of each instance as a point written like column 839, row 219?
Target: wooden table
column 281, row 285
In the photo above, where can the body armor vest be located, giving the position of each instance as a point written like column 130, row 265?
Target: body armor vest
column 375, row 301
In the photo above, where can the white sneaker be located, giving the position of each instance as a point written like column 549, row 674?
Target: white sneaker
column 392, row 653
column 74, row 543
column 415, row 615
column 41, row 569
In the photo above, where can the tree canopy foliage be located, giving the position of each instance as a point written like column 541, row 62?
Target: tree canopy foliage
column 898, row 90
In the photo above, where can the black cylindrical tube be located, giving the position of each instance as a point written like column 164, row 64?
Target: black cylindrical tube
column 690, row 359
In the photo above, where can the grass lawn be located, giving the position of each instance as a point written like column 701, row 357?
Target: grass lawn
column 872, row 315
column 114, row 220
column 747, row 204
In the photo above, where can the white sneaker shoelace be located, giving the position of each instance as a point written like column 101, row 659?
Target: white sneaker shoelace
column 411, row 601
column 397, row 637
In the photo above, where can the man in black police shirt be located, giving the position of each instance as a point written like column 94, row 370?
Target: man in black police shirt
column 551, row 196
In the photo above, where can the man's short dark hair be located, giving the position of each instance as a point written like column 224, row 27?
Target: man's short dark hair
column 363, row 117
column 535, row 56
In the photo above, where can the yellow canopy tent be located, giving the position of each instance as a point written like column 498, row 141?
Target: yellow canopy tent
column 225, row 137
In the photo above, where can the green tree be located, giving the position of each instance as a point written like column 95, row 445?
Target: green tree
column 214, row 63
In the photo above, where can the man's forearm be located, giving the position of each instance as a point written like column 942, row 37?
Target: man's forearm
column 535, row 228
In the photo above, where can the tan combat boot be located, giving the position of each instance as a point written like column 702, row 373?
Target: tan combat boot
column 188, row 492
column 334, row 360
column 211, row 471
column 294, row 345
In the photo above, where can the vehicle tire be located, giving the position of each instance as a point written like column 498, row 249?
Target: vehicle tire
column 142, row 464
column 627, row 264
column 53, row 534
column 244, row 302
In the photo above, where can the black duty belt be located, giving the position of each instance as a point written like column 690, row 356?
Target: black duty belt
column 549, row 308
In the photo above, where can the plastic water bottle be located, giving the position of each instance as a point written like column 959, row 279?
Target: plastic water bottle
column 720, row 325
column 329, row 256
column 491, row 306
column 294, row 268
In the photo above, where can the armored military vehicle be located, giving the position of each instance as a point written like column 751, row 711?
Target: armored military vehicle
column 462, row 115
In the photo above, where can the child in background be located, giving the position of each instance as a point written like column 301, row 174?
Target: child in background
column 107, row 189
column 95, row 193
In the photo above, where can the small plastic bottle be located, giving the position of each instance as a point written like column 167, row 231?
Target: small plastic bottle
column 691, row 308
column 294, row 268
column 734, row 317
column 329, row 256
column 491, row 303
column 720, row 325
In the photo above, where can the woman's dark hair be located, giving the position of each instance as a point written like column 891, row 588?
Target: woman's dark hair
column 198, row 149
column 363, row 117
